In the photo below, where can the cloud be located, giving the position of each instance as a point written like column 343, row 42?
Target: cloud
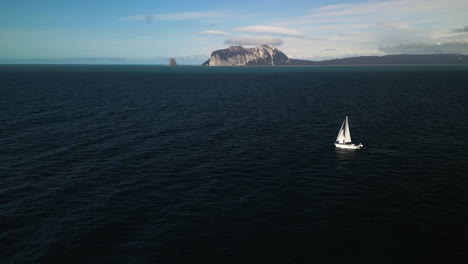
column 332, row 7
column 367, row 27
column 173, row 16
column 263, row 40
column 432, row 11
column 460, row 47
column 213, row 32
column 460, row 30
column 394, row 33
column 269, row 30
column 394, row 25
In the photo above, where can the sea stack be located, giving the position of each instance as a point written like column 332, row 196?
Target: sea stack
column 172, row 62
column 240, row 56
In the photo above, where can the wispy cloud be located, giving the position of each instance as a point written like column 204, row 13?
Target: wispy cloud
column 213, row 32
column 249, row 40
column 332, row 7
column 173, row 16
column 396, row 32
column 269, row 30
column 394, row 25
column 381, row 11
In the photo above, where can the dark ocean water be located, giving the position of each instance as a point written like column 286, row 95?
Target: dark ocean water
column 145, row 164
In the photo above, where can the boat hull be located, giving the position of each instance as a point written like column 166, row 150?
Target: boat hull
column 348, row 146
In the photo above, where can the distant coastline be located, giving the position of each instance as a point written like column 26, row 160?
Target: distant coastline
column 398, row 59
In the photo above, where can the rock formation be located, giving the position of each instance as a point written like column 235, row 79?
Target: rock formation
column 172, row 62
column 240, row 56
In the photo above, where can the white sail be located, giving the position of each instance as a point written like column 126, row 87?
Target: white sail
column 340, row 138
column 347, row 138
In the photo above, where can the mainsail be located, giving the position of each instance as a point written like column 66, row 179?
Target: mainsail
column 347, row 133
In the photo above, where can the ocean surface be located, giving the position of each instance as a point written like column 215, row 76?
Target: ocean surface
column 153, row 164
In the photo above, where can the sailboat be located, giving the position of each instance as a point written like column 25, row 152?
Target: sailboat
column 343, row 140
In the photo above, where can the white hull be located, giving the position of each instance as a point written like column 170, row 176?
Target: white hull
column 348, row 146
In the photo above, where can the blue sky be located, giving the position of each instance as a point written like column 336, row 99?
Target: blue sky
column 148, row 31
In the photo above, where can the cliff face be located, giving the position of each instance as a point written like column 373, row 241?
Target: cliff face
column 240, row 56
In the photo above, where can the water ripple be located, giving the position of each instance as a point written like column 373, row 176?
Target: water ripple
column 144, row 167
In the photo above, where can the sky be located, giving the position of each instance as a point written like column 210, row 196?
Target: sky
column 152, row 31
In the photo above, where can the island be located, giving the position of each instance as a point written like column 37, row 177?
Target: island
column 172, row 62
